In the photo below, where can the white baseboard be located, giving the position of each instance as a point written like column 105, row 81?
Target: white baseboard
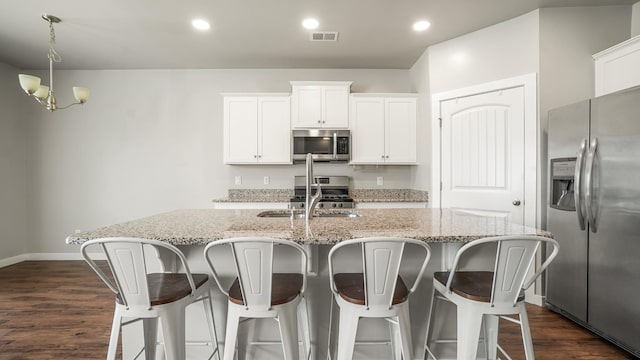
column 12, row 260
column 46, row 257
column 536, row 299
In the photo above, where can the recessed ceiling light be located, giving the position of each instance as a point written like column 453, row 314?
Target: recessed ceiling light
column 310, row 23
column 421, row 25
column 200, row 24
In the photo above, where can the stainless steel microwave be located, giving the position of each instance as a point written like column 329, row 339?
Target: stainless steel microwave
column 325, row 145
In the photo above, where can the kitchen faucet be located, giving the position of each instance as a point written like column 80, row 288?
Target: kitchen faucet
column 311, row 201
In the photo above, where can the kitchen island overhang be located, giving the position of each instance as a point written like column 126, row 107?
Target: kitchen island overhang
column 201, row 226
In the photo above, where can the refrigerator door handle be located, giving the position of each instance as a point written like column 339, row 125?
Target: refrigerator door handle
column 588, row 192
column 577, row 185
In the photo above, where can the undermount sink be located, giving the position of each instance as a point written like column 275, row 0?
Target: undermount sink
column 318, row 213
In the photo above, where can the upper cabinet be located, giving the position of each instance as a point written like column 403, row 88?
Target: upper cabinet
column 257, row 129
column 320, row 104
column 383, row 129
column 617, row 67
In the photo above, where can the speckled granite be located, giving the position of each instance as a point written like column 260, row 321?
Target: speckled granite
column 201, row 226
column 359, row 195
column 389, row 195
column 257, row 195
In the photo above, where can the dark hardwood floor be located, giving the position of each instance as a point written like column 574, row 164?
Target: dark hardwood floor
column 61, row 310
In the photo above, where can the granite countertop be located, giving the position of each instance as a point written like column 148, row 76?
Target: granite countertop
column 359, row 195
column 201, row 226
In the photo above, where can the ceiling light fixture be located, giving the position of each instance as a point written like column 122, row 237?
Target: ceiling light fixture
column 421, row 25
column 200, row 24
column 310, row 23
column 42, row 93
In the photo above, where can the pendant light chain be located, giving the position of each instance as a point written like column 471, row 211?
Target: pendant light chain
column 53, row 54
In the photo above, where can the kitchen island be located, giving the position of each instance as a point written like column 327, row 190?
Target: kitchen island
column 191, row 229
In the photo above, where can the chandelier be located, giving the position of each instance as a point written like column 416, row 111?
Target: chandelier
column 42, row 93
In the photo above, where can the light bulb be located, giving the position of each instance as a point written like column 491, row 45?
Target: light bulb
column 310, row 23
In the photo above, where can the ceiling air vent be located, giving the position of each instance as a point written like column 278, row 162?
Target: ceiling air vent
column 324, row 36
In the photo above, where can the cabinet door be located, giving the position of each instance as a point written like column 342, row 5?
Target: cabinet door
column 307, row 106
column 367, row 130
column 241, row 129
column 335, row 107
column 274, row 130
column 400, row 130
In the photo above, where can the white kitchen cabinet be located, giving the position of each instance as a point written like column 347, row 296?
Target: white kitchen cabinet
column 320, row 104
column 617, row 67
column 383, row 129
column 257, row 129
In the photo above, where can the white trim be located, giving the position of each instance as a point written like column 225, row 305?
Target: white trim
column 535, row 299
column 12, row 260
column 531, row 150
column 529, row 83
column 47, row 257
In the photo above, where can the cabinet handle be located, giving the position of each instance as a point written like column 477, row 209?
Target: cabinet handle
column 382, row 156
column 255, row 156
column 259, row 156
column 387, row 156
column 319, row 121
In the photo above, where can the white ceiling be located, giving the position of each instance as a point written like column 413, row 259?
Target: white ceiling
column 157, row 34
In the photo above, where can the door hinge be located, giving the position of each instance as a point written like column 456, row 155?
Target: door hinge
column 440, row 119
column 440, row 185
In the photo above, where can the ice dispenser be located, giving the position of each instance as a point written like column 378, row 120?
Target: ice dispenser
column 562, row 180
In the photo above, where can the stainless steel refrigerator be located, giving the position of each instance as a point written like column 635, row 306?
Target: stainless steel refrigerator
column 594, row 213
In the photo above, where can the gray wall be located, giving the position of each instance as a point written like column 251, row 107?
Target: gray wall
column 635, row 20
column 419, row 73
column 497, row 52
column 13, row 165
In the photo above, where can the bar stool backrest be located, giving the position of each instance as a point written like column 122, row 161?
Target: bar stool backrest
column 514, row 256
column 381, row 260
column 253, row 260
column 126, row 259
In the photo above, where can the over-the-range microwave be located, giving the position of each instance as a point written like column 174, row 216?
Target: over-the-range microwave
column 324, row 144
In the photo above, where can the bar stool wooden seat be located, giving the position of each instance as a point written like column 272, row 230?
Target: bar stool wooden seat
column 145, row 296
column 378, row 291
column 259, row 292
column 488, row 296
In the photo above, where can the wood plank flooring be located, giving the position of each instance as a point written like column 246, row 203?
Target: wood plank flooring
column 61, row 310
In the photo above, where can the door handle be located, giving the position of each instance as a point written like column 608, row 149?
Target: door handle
column 335, row 146
column 588, row 185
column 577, row 184
column 516, row 202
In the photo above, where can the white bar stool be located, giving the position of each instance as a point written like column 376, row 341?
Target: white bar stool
column 149, row 296
column 490, row 295
column 377, row 291
column 259, row 292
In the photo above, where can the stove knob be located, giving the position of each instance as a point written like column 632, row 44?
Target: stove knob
column 321, row 205
column 340, row 205
column 334, row 205
column 301, row 205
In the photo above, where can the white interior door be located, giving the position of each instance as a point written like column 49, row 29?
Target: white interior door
column 483, row 153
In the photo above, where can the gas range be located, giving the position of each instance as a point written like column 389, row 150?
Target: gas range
column 335, row 192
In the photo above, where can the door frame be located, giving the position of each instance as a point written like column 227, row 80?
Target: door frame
column 531, row 126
